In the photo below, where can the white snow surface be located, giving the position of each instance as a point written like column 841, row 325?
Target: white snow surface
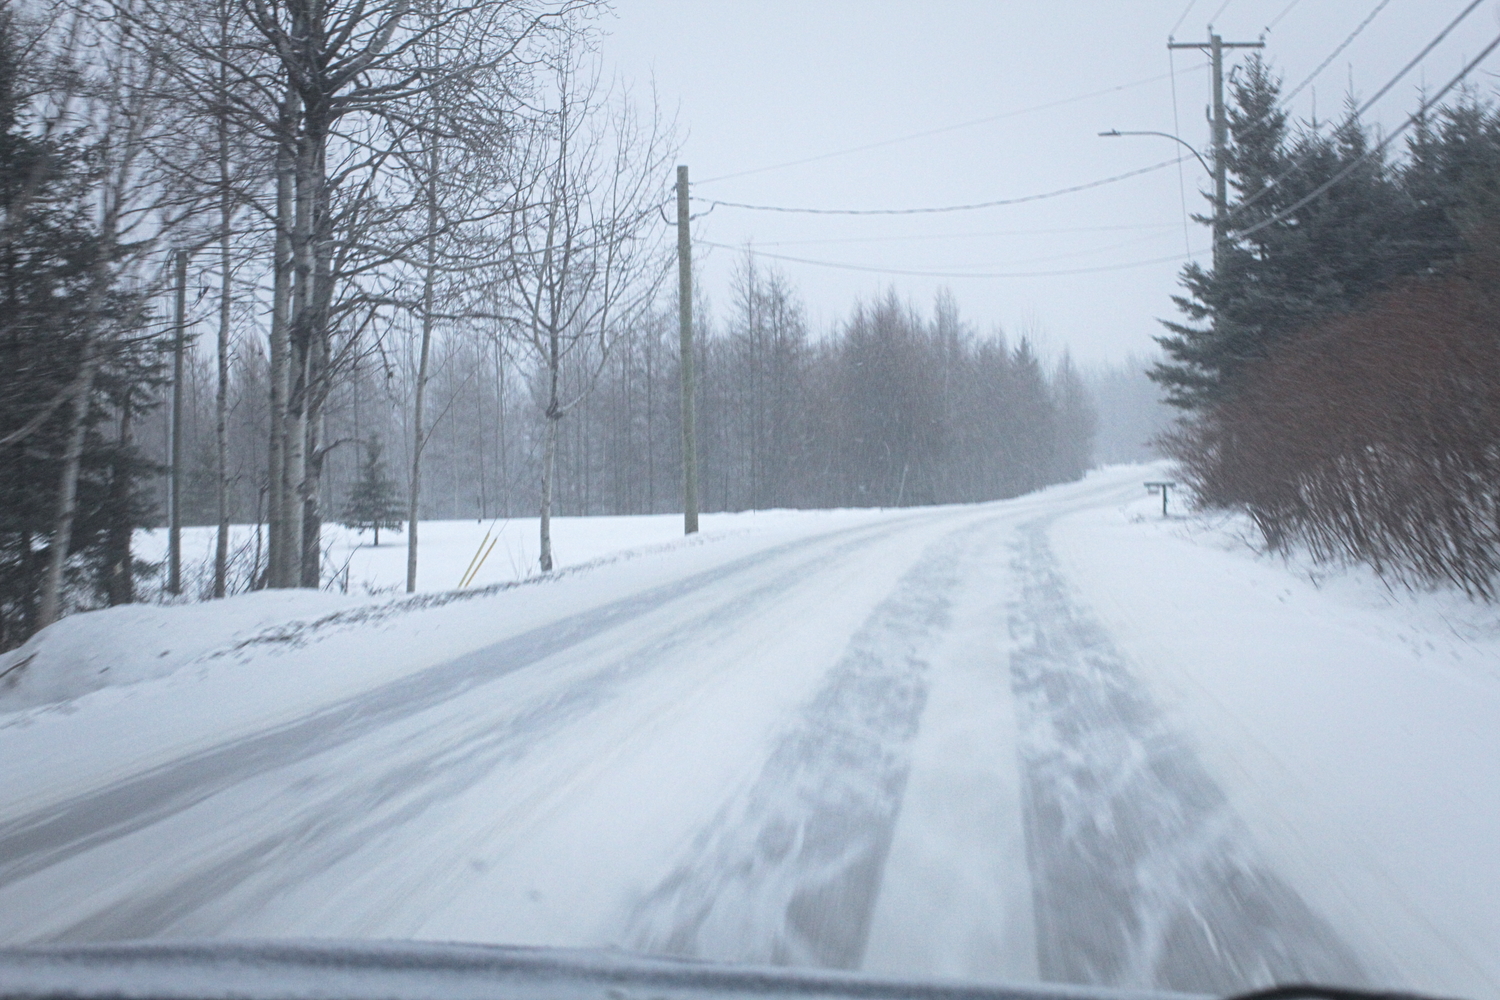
column 641, row 758
column 85, row 652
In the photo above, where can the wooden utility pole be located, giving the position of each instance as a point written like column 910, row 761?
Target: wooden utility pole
column 1215, row 47
column 685, row 331
column 174, row 493
column 226, row 292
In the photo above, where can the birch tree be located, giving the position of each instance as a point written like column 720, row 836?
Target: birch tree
column 123, row 113
column 585, row 253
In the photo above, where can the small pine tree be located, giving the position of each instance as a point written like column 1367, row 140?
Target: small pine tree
column 373, row 502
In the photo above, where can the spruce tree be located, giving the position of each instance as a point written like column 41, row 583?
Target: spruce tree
column 47, row 268
column 1302, row 265
column 373, row 499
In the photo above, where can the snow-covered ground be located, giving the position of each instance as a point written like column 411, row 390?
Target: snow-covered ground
column 85, row 652
column 500, row 550
column 1052, row 738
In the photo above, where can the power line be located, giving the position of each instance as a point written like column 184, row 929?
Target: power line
column 956, row 274
column 1251, row 230
column 969, row 235
column 1275, row 182
column 1047, row 259
column 1373, row 150
column 714, row 202
column 1335, row 53
column 1284, row 12
column 1181, row 17
column 938, row 131
column 1418, row 57
column 1187, row 239
column 1215, row 15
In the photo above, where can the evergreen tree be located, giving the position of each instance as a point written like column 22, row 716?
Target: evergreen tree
column 48, row 266
column 373, row 500
column 1076, row 423
column 1302, row 265
column 1453, row 174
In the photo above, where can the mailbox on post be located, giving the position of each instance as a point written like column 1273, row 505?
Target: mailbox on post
column 1163, row 488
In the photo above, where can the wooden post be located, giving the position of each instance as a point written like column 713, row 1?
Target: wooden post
column 685, row 331
column 1162, row 488
column 226, row 291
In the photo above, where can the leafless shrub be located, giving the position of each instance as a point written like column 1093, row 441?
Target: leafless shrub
column 1374, row 437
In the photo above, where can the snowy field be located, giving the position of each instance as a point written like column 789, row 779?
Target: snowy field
column 1054, row 738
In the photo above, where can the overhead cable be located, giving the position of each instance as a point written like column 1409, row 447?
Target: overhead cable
column 1341, row 47
column 1049, row 258
column 955, row 274
column 1417, row 58
column 1373, row 150
column 945, row 128
column 1276, row 181
column 943, row 208
column 986, row 234
column 1284, row 12
column 1187, row 239
column 1181, row 17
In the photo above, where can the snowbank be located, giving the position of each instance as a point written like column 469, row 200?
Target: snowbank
column 138, row 642
column 126, row 645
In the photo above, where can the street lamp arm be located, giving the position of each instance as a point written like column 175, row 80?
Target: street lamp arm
column 1165, row 135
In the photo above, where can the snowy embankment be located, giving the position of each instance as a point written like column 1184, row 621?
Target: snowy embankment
column 1355, row 726
column 819, row 738
column 126, row 645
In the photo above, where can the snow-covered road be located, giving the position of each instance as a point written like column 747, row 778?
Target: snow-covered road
column 901, row 741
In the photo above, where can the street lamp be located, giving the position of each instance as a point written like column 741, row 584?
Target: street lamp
column 1218, row 201
column 1165, row 135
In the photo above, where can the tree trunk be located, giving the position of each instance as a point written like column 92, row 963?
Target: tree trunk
column 312, row 515
column 278, row 488
column 500, row 432
column 319, row 364
column 418, row 437
column 549, row 461
column 67, row 489
column 414, row 509
column 304, row 337
column 119, row 584
column 179, row 350
column 296, row 464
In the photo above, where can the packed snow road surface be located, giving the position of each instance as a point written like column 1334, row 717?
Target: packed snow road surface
column 904, row 742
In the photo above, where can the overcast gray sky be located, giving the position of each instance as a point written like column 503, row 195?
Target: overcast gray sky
column 758, row 84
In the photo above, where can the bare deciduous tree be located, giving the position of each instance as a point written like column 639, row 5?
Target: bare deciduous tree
column 584, row 249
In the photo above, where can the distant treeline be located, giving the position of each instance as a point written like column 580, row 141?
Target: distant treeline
column 892, row 408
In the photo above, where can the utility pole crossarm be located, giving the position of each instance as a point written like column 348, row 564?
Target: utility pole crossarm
column 1208, row 46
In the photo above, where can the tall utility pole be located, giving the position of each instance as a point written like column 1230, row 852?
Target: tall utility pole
column 1215, row 47
column 174, row 523
column 685, row 332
